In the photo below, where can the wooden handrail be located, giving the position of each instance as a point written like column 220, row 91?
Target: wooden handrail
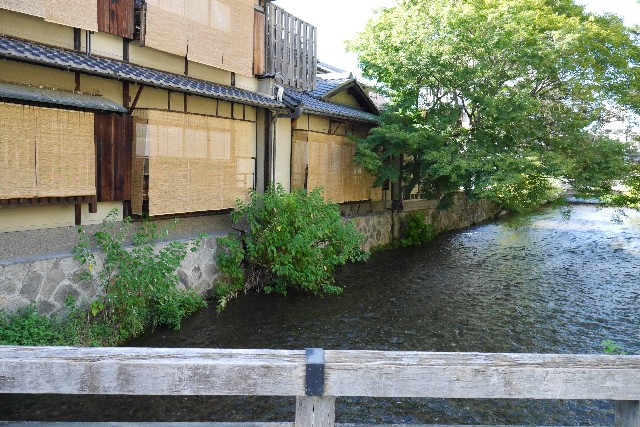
column 161, row 371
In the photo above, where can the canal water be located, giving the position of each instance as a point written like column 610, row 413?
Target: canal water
column 546, row 284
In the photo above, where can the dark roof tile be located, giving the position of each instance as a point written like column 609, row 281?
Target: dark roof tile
column 76, row 61
column 59, row 97
column 330, row 109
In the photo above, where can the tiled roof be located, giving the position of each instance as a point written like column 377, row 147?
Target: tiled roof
column 75, row 61
column 59, row 97
column 316, row 101
column 312, row 104
column 327, row 68
column 325, row 86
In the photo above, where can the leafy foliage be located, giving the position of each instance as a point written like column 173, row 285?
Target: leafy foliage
column 139, row 291
column 496, row 97
column 286, row 240
column 418, row 232
column 140, row 284
column 27, row 327
column 610, row 347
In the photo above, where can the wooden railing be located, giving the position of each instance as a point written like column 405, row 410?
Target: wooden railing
column 316, row 378
column 291, row 49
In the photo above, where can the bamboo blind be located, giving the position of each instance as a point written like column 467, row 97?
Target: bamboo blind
column 218, row 33
column 196, row 163
column 33, row 7
column 327, row 161
column 72, row 13
column 46, row 152
column 139, row 164
column 166, row 28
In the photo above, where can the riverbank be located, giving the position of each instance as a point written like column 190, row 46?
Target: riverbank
column 47, row 280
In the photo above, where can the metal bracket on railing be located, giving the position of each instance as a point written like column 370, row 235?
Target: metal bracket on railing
column 314, row 385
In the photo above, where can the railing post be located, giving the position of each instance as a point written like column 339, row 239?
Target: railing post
column 627, row 413
column 312, row 411
column 315, row 409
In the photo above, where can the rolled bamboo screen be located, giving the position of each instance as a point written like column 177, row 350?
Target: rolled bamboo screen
column 196, row 163
column 218, row 33
column 46, row 152
column 139, row 164
column 17, row 151
column 72, row 13
column 33, row 7
column 329, row 161
column 166, row 27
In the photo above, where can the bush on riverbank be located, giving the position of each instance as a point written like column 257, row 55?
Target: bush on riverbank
column 419, row 231
column 286, row 240
column 139, row 291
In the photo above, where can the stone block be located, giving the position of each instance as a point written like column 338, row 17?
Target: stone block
column 42, row 266
column 68, row 265
column 88, row 287
column 8, row 285
column 65, row 290
column 15, row 272
column 13, row 304
column 184, row 277
column 51, row 282
column 31, row 286
column 45, row 306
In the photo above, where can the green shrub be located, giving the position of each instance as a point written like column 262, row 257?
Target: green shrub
column 610, row 347
column 139, row 284
column 285, row 241
column 139, row 290
column 419, row 231
column 27, row 327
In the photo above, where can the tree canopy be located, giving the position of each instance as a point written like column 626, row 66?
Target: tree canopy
column 498, row 96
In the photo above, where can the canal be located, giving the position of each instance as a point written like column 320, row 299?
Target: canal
column 542, row 285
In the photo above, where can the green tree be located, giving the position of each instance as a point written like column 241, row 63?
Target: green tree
column 496, row 96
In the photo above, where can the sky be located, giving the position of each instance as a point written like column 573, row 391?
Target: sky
column 340, row 20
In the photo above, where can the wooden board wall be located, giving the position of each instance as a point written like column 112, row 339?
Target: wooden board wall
column 259, row 43
column 113, row 138
column 117, row 17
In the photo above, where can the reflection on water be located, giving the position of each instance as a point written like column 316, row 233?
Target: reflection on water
column 548, row 285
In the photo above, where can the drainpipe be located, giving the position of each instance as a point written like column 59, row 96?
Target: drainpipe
column 295, row 114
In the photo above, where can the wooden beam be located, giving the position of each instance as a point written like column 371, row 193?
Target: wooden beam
column 77, row 39
column 78, row 210
column 151, row 371
column 482, row 376
column 126, row 97
column 315, row 411
column 93, row 205
column 136, row 99
column 627, row 413
column 158, row 424
column 160, row 371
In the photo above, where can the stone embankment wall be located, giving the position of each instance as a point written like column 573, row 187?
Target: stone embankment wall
column 380, row 228
column 47, row 279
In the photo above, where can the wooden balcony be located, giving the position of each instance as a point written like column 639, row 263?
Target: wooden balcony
column 290, row 48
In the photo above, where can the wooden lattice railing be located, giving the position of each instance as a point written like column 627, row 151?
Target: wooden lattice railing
column 316, row 378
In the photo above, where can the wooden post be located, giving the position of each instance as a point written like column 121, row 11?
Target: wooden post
column 627, row 413
column 315, row 411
